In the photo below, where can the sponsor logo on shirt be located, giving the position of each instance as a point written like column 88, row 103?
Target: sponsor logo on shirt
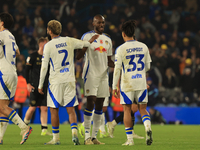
column 64, row 70
column 101, row 49
column 136, row 76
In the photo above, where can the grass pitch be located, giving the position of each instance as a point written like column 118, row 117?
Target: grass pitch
column 167, row 137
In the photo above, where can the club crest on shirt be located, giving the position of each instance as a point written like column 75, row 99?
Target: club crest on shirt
column 38, row 58
column 106, row 42
column 87, row 91
column 101, row 41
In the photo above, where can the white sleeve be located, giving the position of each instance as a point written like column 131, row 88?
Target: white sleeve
column 110, row 49
column 147, row 56
column 117, row 69
column 44, row 67
column 79, row 44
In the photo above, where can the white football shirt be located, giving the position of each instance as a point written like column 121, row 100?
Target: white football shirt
column 8, row 49
column 60, row 52
column 131, row 57
column 96, row 58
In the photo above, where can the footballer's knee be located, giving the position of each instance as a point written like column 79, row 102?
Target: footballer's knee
column 43, row 109
column 32, row 109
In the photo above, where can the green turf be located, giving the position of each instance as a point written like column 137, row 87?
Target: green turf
column 167, row 137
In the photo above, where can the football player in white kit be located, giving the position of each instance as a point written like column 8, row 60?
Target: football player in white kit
column 8, row 78
column 61, row 91
column 134, row 59
column 97, row 59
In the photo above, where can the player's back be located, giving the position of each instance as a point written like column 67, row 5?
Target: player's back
column 8, row 49
column 134, row 56
column 61, row 55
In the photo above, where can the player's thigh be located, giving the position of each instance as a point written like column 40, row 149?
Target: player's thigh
column 70, row 99
column 34, row 98
column 55, row 95
column 91, row 86
column 103, row 89
column 8, row 86
column 43, row 97
column 141, row 96
column 127, row 97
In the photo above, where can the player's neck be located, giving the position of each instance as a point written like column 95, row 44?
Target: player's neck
column 2, row 28
column 54, row 36
column 40, row 51
column 97, row 31
column 128, row 39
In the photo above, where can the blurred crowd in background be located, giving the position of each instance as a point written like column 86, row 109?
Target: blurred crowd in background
column 170, row 28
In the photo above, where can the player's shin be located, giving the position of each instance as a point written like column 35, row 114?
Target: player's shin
column 55, row 131
column 87, row 122
column 3, row 127
column 14, row 117
column 102, row 125
column 74, row 129
column 129, row 133
column 147, row 122
column 96, row 122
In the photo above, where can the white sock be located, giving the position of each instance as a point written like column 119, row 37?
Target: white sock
column 114, row 123
column 3, row 127
column 129, row 133
column 74, row 129
column 147, row 125
column 147, row 122
column 26, row 121
column 102, row 126
column 87, row 122
column 96, row 122
column 56, row 136
column 14, row 117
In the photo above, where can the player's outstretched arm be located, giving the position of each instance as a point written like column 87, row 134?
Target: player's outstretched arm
column 81, row 52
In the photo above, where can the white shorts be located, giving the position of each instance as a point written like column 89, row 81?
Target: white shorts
column 106, row 102
column 96, row 87
column 140, row 96
column 63, row 94
column 8, row 85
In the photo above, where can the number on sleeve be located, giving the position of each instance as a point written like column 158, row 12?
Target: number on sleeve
column 65, row 57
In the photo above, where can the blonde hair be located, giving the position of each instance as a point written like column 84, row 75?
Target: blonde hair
column 55, row 27
column 42, row 39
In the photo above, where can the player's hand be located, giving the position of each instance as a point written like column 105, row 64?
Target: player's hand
column 30, row 87
column 94, row 37
column 116, row 93
column 148, row 86
column 40, row 91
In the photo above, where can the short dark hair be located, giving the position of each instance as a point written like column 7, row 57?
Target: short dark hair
column 7, row 19
column 128, row 28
